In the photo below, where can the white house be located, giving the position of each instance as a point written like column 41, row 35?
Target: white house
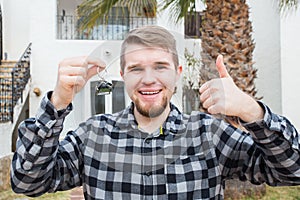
column 50, row 25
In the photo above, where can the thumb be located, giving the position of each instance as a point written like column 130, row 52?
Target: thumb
column 221, row 67
column 92, row 71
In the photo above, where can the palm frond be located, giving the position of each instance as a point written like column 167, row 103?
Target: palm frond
column 286, row 5
column 178, row 8
column 89, row 11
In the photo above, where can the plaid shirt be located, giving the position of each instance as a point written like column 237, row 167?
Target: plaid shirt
column 113, row 159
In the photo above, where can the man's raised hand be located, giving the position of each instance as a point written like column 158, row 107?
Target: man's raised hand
column 222, row 96
column 73, row 73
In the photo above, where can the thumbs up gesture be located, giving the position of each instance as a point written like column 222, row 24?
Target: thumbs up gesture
column 222, row 96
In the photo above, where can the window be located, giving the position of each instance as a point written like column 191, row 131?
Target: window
column 118, row 98
column 193, row 24
column 97, row 101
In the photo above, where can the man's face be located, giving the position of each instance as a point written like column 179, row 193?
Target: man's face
column 150, row 78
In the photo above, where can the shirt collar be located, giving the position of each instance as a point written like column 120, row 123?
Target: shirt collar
column 175, row 122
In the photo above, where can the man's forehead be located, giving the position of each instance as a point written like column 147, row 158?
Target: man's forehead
column 156, row 55
column 131, row 48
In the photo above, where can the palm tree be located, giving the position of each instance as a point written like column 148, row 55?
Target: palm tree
column 226, row 30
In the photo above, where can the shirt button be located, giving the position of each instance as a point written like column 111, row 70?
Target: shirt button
column 147, row 141
column 148, row 173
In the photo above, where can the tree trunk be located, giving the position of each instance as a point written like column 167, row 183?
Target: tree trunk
column 227, row 30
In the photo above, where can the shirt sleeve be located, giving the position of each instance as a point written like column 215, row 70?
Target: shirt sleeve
column 41, row 164
column 269, row 153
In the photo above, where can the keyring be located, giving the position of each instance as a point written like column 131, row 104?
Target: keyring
column 103, row 87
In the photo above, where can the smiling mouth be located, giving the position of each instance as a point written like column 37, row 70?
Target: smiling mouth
column 149, row 92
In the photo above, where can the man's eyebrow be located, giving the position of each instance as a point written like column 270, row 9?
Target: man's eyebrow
column 133, row 66
column 129, row 67
column 162, row 63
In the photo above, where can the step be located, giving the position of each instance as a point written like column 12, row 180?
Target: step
column 5, row 97
column 3, row 70
column 9, row 61
column 12, row 65
column 8, row 76
column 5, row 76
column 9, row 67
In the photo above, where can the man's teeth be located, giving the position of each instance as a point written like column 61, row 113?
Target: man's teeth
column 149, row 93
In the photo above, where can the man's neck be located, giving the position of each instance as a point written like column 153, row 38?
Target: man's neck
column 151, row 124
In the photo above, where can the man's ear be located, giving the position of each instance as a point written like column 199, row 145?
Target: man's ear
column 121, row 73
column 179, row 71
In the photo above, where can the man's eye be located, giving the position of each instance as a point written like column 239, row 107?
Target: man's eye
column 136, row 69
column 159, row 67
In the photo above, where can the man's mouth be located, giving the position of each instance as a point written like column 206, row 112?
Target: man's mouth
column 149, row 92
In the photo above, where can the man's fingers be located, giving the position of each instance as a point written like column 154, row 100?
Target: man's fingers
column 93, row 71
column 83, row 61
column 73, row 71
column 83, row 65
column 73, row 80
column 205, row 95
column 204, row 87
column 223, row 73
column 208, row 102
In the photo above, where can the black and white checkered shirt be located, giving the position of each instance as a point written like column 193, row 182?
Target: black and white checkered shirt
column 113, row 159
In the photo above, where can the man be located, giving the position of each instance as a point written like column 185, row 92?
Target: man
column 151, row 150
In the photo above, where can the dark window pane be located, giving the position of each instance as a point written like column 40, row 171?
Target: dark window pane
column 97, row 101
column 118, row 98
column 193, row 24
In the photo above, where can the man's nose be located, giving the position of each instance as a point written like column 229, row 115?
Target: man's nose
column 148, row 77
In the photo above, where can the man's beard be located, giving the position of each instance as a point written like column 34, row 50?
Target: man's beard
column 153, row 111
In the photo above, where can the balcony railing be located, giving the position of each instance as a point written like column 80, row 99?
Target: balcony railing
column 12, row 84
column 115, row 29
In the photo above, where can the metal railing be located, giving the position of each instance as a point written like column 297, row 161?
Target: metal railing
column 115, row 28
column 12, row 84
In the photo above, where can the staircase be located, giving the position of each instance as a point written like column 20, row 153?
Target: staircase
column 14, row 75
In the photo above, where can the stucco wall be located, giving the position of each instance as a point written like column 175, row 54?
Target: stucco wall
column 15, row 17
column 276, row 55
column 39, row 22
column 290, row 56
column 266, row 34
column 47, row 52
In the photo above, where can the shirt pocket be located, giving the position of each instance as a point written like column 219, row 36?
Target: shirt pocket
column 188, row 176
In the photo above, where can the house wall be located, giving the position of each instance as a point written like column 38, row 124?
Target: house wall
column 266, row 34
column 290, row 56
column 47, row 52
column 7, row 128
column 16, row 27
column 39, row 22
column 276, row 57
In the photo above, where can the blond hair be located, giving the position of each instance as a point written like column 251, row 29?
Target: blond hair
column 150, row 36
